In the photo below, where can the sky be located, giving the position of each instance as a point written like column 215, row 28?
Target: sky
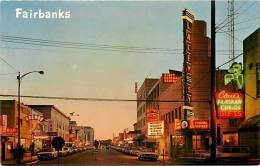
column 72, row 72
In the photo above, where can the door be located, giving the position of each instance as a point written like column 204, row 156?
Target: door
column 3, row 151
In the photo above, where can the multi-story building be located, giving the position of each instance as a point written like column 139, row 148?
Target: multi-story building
column 58, row 121
column 141, row 104
column 249, row 132
column 9, row 127
column 89, row 135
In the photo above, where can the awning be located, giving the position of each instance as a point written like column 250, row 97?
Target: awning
column 251, row 124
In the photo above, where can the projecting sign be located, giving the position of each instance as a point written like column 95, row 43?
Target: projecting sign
column 4, row 122
column 156, row 128
column 235, row 74
column 152, row 115
column 229, row 105
column 187, row 77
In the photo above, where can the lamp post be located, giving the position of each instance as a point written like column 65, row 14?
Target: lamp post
column 19, row 78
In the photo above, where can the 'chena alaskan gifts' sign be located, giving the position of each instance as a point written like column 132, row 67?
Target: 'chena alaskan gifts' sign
column 229, row 105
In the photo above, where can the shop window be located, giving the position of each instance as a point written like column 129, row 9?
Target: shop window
column 258, row 79
column 196, row 142
column 230, row 139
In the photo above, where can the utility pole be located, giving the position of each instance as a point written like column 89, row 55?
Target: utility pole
column 231, row 30
column 19, row 119
column 213, row 82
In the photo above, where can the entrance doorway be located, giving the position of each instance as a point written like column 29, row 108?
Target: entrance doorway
column 3, row 151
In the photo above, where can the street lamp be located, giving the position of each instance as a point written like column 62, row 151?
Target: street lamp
column 19, row 78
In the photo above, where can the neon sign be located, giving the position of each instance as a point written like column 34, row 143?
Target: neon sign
column 152, row 115
column 187, row 26
column 235, row 74
column 229, row 105
column 9, row 131
column 169, row 78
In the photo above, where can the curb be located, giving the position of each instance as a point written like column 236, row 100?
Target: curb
column 32, row 162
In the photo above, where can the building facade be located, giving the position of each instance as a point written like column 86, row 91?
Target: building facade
column 57, row 120
column 9, row 127
column 141, row 105
column 249, row 132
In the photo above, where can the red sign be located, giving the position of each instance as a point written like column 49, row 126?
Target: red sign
column 199, row 124
column 152, row 115
column 169, row 78
column 9, row 131
column 229, row 105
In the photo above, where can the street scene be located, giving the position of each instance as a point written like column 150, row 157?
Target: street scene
column 130, row 83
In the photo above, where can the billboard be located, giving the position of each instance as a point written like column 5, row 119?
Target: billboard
column 156, row 128
column 229, row 105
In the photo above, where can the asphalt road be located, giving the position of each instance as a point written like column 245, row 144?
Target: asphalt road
column 101, row 157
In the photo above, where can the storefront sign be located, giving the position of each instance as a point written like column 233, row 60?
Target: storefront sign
column 152, row 115
column 199, row 124
column 187, row 77
column 34, row 117
column 229, row 105
column 235, row 74
column 4, row 123
column 169, row 78
column 9, row 131
column 156, row 128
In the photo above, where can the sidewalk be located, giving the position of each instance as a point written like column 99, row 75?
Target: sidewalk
column 26, row 160
column 166, row 159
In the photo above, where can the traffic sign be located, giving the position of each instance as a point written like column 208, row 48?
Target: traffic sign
column 58, row 143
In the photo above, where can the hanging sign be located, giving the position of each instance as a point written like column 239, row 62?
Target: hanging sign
column 152, row 115
column 229, row 105
column 156, row 128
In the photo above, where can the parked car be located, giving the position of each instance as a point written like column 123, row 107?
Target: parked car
column 47, row 153
column 64, row 151
column 148, row 156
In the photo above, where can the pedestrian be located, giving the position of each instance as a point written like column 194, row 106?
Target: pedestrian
column 31, row 148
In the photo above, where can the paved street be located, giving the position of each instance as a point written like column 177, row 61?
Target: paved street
column 102, row 157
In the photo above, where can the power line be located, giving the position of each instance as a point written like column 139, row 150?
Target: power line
column 100, row 47
column 219, row 28
column 11, row 66
column 96, row 99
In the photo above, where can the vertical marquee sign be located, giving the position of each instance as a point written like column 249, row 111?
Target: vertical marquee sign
column 188, row 19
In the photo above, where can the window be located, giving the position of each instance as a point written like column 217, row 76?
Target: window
column 176, row 113
column 258, row 80
column 172, row 116
column 180, row 113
